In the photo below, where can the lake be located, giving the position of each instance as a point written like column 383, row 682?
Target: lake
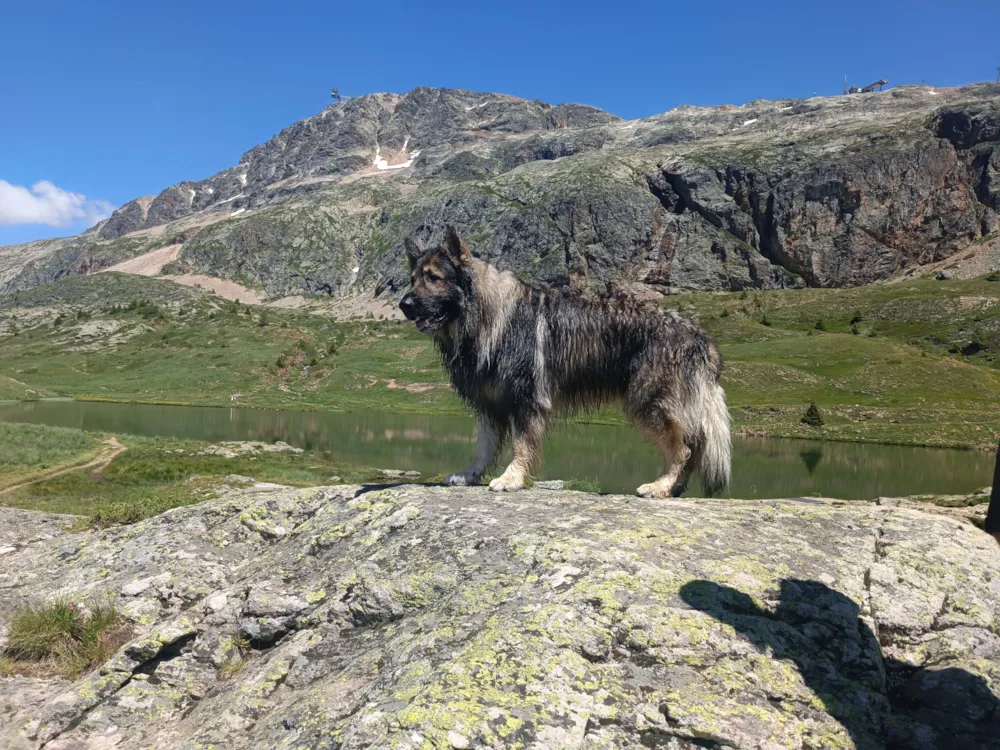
column 615, row 456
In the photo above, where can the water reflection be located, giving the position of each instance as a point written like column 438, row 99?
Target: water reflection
column 615, row 456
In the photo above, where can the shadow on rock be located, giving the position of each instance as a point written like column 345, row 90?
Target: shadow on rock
column 881, row 702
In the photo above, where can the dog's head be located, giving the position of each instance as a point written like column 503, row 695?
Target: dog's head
column 440, row 279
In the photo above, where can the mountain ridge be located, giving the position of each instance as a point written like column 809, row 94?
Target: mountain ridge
column 834, row 191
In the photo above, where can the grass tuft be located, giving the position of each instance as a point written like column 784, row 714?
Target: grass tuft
column 62, row 637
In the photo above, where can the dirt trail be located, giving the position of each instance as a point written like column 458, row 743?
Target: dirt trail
column 113, row 449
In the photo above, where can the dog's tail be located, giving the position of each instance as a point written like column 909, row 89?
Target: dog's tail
column 715, row 450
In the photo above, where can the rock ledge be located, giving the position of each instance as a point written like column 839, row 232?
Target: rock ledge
column 420, row 616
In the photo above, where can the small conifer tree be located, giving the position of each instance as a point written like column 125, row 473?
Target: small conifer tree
column 812, row 417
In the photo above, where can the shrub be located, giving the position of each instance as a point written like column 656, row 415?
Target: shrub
column 812, row 417
column 724, row 314
column 857, row 317
column 855, row 330
column 820, row 325
column 764, row 320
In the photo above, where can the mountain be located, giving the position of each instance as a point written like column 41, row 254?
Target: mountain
column 824, row 192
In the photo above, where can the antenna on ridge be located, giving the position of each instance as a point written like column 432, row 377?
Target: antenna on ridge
column 335, row 95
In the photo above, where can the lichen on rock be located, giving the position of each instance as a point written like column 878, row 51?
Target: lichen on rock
column 425, row 617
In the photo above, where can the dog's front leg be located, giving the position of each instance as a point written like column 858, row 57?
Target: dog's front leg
column 489, row 441
column 527, row 450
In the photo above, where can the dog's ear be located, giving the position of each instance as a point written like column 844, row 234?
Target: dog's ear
column 413, row 252
column 456, row 247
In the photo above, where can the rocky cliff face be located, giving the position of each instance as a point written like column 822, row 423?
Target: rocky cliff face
column 417, row 617
column 826, row 192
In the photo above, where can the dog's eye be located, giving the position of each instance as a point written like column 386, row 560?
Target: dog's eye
column 432, row 277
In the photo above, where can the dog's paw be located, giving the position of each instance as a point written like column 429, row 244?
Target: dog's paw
column 507, row 483
column 461, row 479
column 654, row 490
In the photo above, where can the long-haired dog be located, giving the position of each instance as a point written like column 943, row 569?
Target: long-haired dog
column 517, row 355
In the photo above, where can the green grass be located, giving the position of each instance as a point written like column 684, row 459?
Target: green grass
column 914, row 362
column 61, row 638
column 28, row 450
column 203, row 351
column 153, row 476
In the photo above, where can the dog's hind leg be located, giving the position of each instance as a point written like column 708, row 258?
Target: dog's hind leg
column 489, row 441
column 528, row 434
column 668, row 436
column 681, row 485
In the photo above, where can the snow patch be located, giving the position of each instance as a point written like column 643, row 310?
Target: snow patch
column 193, row 194
column 748, row 122
column 476, row 106
column 238, row 211
column 228, row 200
column 932, row 92
column 356, row 269
column 243, row 179
column 382, row 165
column 785, row 109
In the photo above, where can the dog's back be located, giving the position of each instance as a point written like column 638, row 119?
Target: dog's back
column 662, row 367
column 517, row 354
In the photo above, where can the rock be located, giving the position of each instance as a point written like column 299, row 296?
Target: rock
column 399, row 474
column 136, row 587
column 233, row 448
column 216, row 602
column 19, row 527
column 418, row 615
column 766, row 195
column 943, row 275
column 550, row 484
column 334, row 479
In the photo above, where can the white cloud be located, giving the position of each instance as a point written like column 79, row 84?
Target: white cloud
column 46, row 203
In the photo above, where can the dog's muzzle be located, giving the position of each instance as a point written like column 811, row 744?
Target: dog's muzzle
column 407, row 306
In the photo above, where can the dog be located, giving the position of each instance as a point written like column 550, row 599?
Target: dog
column 517, row 355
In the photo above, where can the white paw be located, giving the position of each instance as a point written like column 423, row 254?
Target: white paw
column 654, row 490
column 461, row 479
column 507, row 483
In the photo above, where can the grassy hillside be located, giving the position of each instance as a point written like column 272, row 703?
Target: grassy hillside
column 912, row 363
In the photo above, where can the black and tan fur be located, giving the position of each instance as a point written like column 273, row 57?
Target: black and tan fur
column 518, row 355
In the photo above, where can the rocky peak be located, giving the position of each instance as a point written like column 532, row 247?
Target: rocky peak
column 381, row 131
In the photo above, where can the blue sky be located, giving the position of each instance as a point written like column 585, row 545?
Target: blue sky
column 102, row 102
